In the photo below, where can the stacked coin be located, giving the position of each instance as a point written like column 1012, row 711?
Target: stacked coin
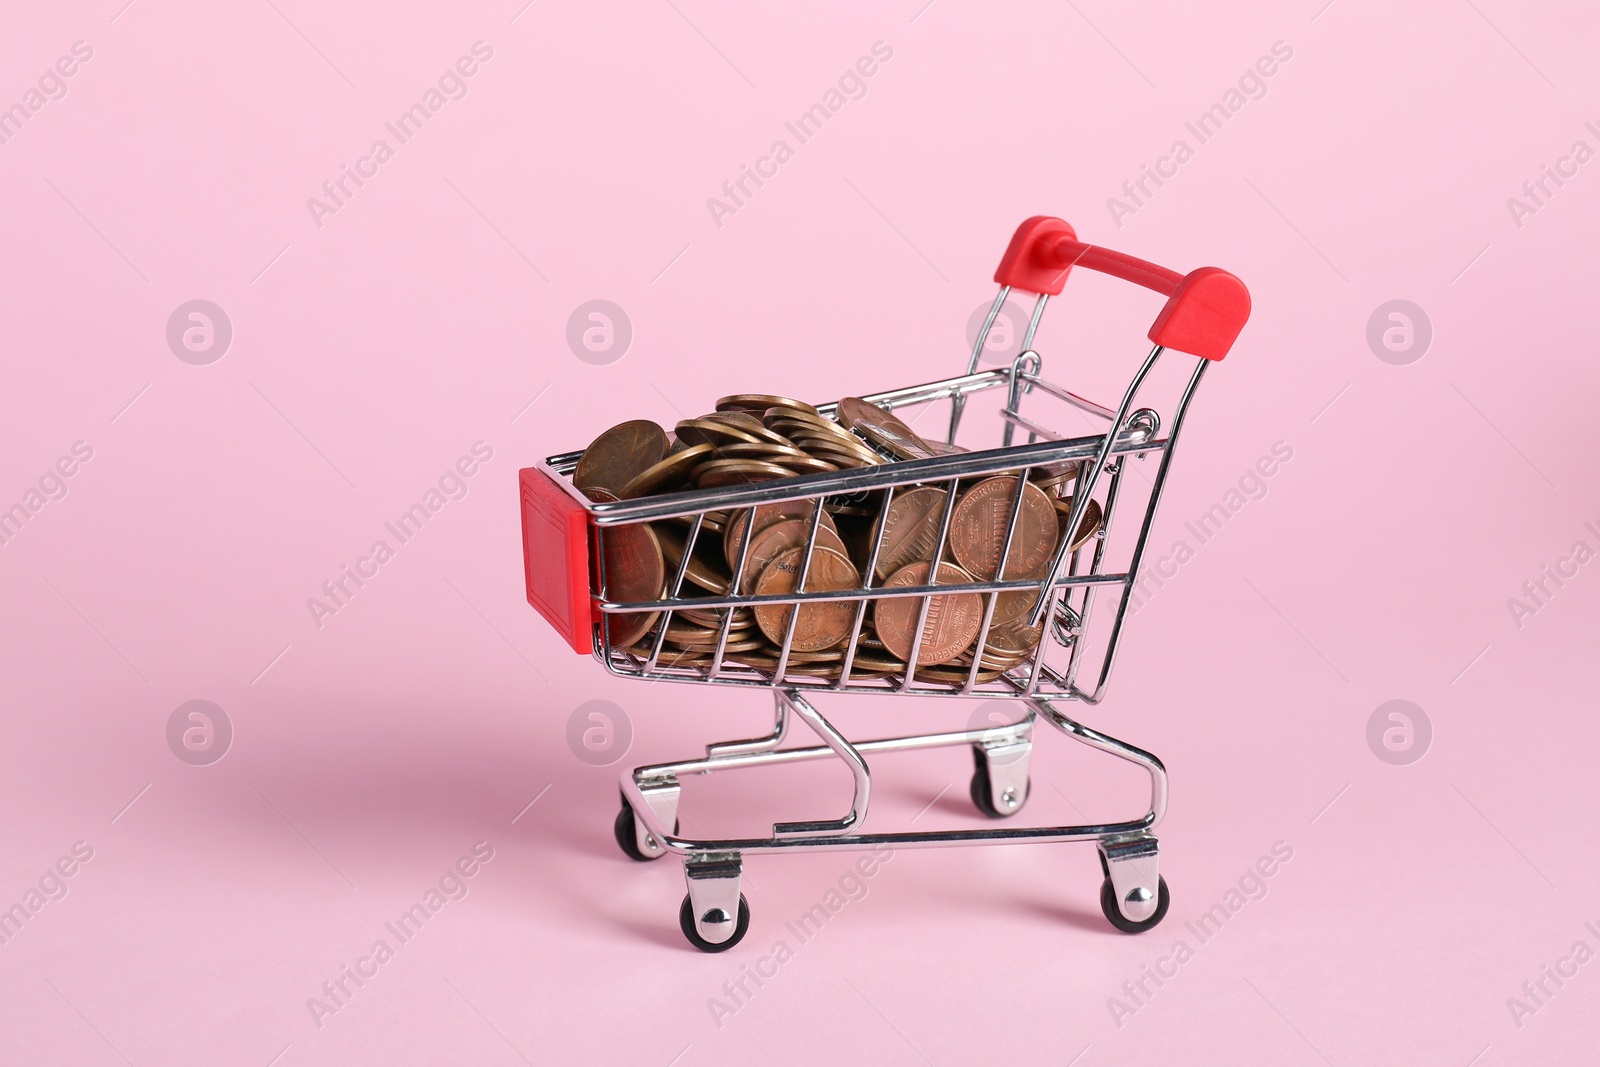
column 756, row 437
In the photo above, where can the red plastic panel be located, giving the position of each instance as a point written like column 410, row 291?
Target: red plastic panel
column 555, row 558
column 1205, row 309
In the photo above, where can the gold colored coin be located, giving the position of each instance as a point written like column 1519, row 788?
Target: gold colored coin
column 982, row 515
column 953, row 618
column 619, row 455
column 817, row 626
column 671, row 473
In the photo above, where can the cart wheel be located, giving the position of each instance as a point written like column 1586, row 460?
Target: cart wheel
column 1108, row 904
column 740, row 927
column 983, row 798
column 627, row 834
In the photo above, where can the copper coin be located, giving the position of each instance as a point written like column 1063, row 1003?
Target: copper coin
column 760, row 450
column 712, row 522
column 1015, row 639
column 817, row 626
column 1088, row 526
column 749, row 641
column 670, row 473
column 759, row 402
column 884, row 429
column 634, row 570
column 766, row 515
column 838, row 457
column 743, row 618
column 952, row 676
column 1055, row 475
column 779, row 537
column 671, row 657
column 751, row 424
column 953, row 618
column 702, row 570
column 910, row 528
column 806, row 464
column 789, row 423
column 978, row 530
column 1010, row 607
column 620, row 454
column 717, row 473
column 713, row 432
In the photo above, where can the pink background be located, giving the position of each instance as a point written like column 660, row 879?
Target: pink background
column 425, row 315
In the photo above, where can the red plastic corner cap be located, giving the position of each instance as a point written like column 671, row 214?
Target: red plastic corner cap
column 1205, row 315
column 555, row 558
column 1030, row 263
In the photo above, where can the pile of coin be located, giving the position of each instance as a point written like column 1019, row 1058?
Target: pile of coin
column 753, row 437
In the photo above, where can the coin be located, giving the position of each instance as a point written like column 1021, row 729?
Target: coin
column 717, row 473
column 953, row 618
column 884, row 429
column 702, row 570
column 1015, row 639
column 793, row 423
column 840, row 458
column 778, row 537
column 713, row 432
column 743, row 618
column 952, row 676
column 671, row 657
column 712, row 522
column 1055, row 475
column 817, row 626
column 1088, row 526
column 759, row 402
column 766, row 515
column 982, row 515
column 617, row 456
column 910, row 528
column 634, row 570
column 750, row 423
column 759, row 450
column 670, row 473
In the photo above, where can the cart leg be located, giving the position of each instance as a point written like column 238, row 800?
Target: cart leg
column 714, row 916
column 662, row 796
column 1134, row 896
column 1000, row 782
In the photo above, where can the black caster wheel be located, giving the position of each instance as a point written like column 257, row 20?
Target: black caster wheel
column 1108, row 904
column 628, row 835
column 740, row 927
column 982, row 798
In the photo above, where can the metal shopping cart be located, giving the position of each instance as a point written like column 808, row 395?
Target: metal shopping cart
column 564, row 536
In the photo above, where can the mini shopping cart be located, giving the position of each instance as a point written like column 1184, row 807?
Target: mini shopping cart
column 564, row 532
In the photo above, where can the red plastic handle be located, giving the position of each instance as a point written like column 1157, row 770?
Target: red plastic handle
column 1205, row 309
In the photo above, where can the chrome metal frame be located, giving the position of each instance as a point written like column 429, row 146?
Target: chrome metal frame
column 1066, row 596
